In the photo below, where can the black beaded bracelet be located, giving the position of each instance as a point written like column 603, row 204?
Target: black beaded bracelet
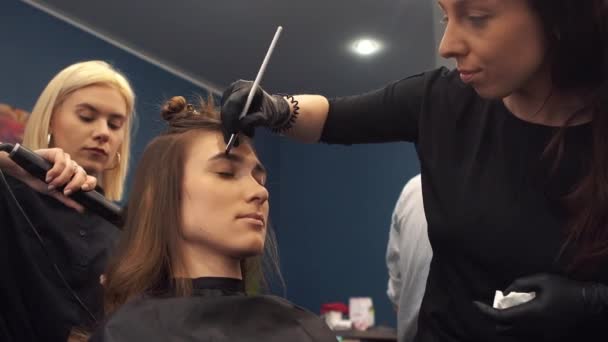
column 293, row 115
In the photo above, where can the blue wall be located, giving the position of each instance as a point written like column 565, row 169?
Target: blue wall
column 332, row 208
column 335, row 218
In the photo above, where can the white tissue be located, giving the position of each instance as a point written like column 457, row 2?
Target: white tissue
column 512, row 299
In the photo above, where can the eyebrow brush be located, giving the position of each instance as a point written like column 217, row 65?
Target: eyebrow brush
column 258, row 78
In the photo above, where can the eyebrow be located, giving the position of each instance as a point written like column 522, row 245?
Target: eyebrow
column 94, row 109
column 459, row 3
column 235, row 158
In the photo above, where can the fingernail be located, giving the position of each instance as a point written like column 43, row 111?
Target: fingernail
column 49, row 178
column 51, row 187
column 67, row 192
column 85, row 187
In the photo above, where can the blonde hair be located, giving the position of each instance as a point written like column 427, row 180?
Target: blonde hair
column 70, row 79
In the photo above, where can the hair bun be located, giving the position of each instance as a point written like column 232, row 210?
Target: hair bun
column 173, row 107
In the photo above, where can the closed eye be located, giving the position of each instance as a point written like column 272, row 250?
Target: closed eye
column 86, row 118
column 226, row 174
column 115, row 126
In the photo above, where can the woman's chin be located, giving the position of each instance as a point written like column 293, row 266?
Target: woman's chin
column 92, row 168
column 255, row 248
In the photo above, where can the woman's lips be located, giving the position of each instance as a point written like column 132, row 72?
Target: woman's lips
column 467, row 76
column 98, row 151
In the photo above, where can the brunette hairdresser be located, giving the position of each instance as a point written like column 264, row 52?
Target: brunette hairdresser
column 513, row 148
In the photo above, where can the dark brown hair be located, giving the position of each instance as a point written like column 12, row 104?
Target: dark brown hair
column 147, row 252
column 578, row 45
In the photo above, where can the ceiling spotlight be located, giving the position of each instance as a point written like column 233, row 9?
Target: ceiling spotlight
column 366, row 46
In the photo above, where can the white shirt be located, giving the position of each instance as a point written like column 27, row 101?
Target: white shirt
column 408, row 258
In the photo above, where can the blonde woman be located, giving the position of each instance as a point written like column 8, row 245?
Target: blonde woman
column 53, row 255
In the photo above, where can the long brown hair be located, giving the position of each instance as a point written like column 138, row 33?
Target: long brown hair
column 147, row 251
column 577, row 32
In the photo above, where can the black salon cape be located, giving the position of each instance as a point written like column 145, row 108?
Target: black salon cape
column 35, row 304
column 213, row 315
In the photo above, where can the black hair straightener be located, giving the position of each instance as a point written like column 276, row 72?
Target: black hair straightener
column 38, row 167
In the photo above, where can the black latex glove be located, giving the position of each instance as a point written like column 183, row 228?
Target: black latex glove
column 559, row 306
column 266, row 110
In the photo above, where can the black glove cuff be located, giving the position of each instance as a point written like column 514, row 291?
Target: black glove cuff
column 291, row 117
